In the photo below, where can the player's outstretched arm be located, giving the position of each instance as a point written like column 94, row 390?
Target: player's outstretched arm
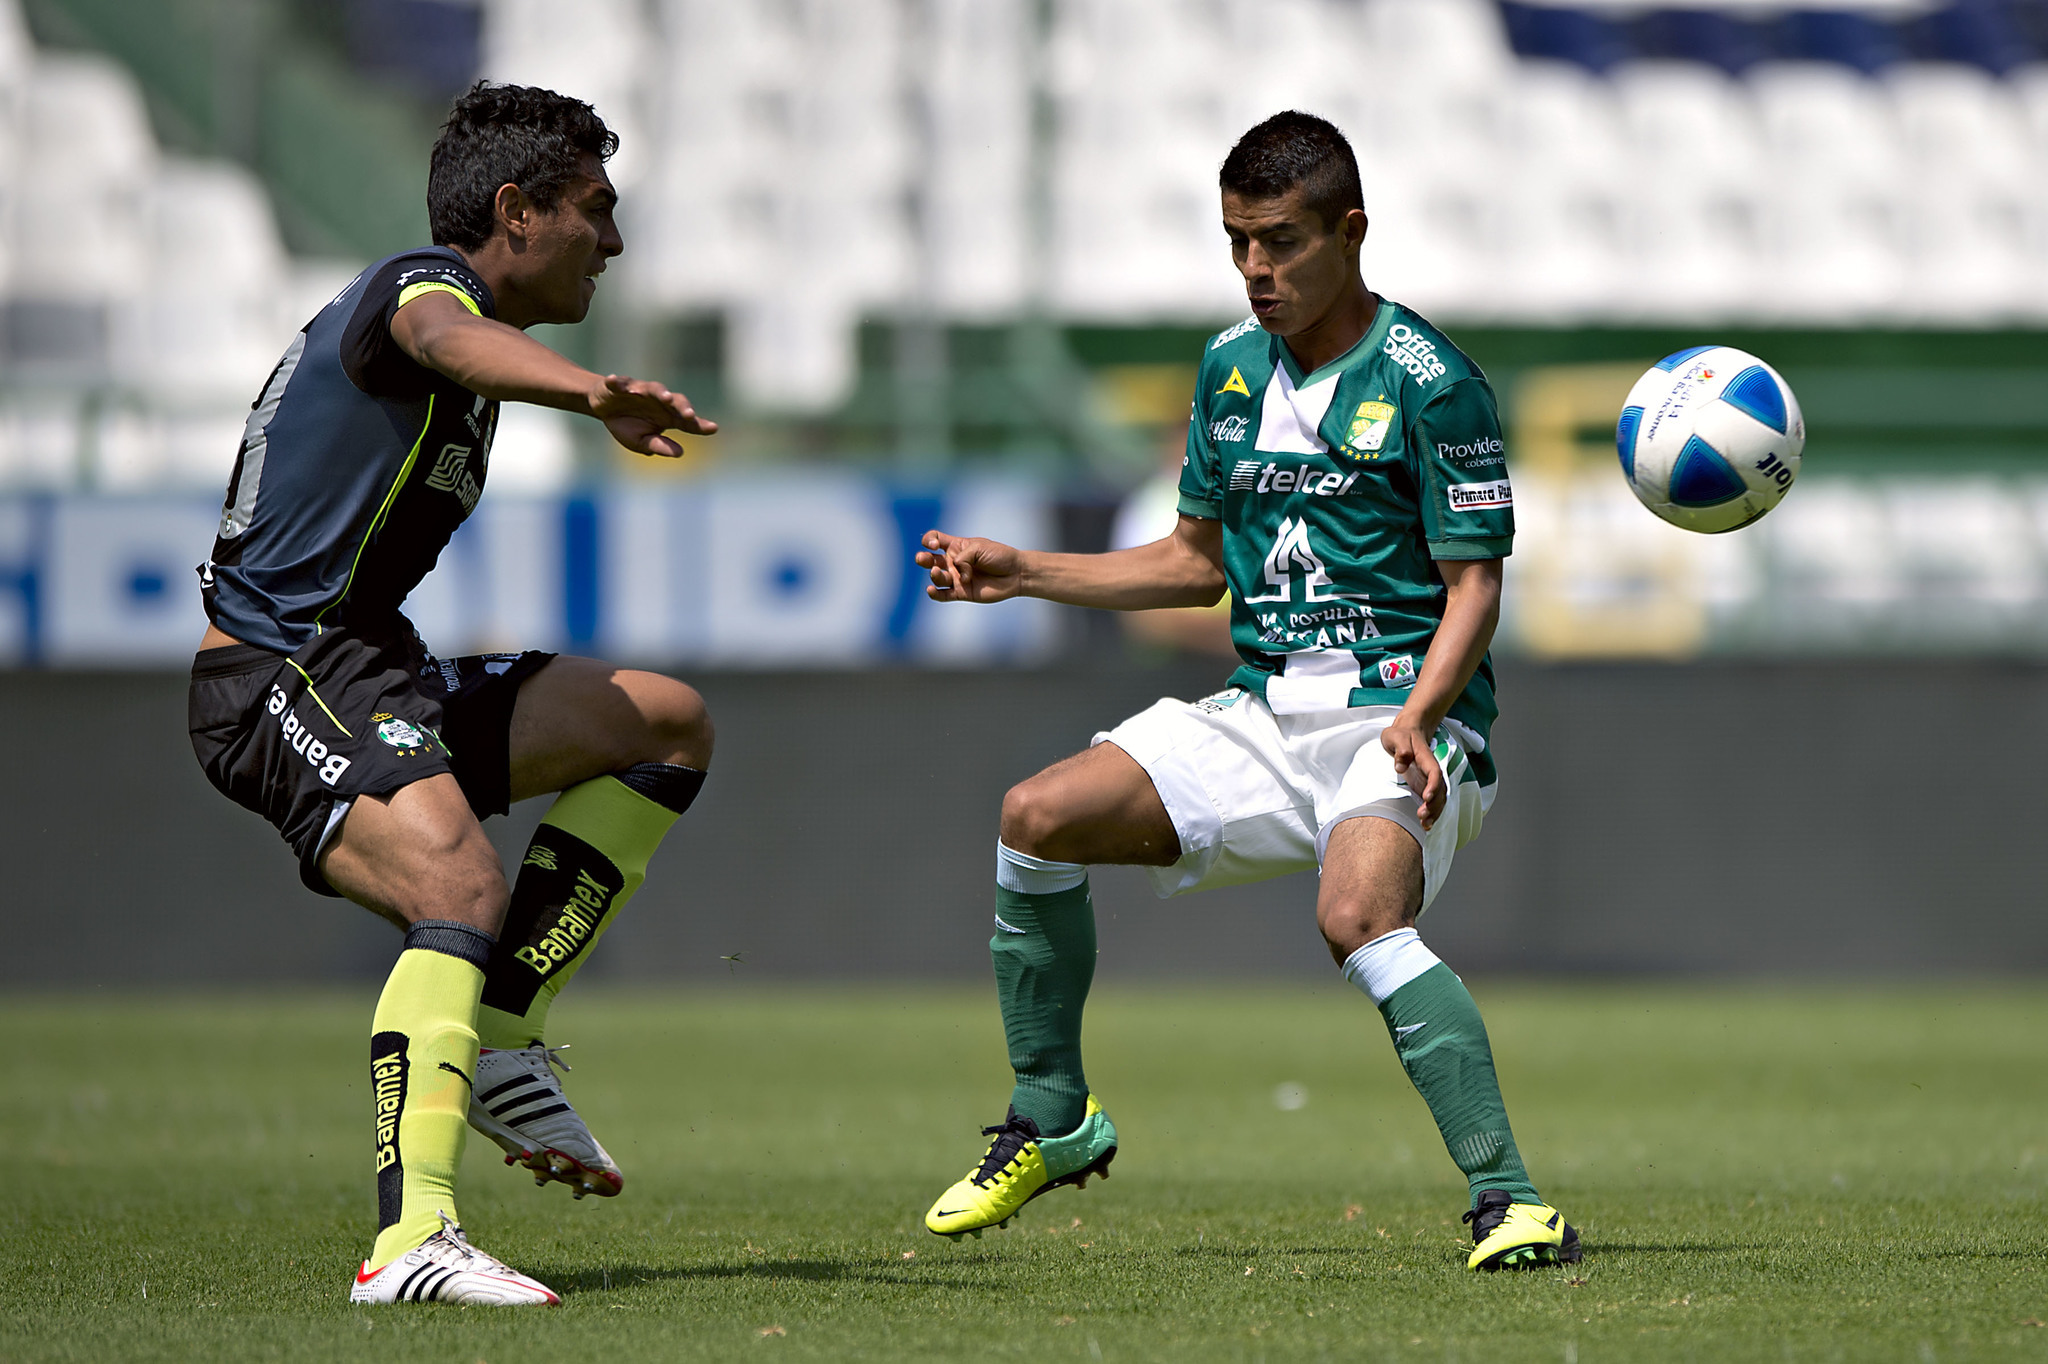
column 1184, row 569
column 1471, row 611
column 486, row 356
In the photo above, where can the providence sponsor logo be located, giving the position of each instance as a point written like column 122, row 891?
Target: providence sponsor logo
column 575, row 923
column 1474, row 453
column 1479, row 496
column 328, row 766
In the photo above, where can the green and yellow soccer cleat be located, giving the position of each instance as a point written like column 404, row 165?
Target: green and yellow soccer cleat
column 1511, row 1235
column 1021, row 1165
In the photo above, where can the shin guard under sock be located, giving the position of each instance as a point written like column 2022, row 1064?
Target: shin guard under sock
column 422, row 1063
column 1044, row 955
column 1441, row 1040
column 585, row 861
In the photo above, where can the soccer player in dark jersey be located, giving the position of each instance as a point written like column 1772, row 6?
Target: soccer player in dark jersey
column 315, row 704
column 1346, row 480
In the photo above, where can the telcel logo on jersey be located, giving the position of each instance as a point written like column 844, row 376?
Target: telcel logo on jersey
column 1479, row 496
column 1232, row 428
column 1248, row 475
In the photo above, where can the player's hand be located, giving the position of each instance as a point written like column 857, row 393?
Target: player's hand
column 1415, row 764
column 638, row 411
column 970, row 569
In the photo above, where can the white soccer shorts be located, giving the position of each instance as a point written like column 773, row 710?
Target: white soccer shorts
column 1255, row 795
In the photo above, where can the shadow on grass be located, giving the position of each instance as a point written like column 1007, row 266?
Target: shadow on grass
column 1655, row 1248
column 1221, row 1251
column 2027, row 1254
column 614, row 1278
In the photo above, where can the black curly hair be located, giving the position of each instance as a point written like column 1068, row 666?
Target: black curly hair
column 500, row 135
column 1291, row 149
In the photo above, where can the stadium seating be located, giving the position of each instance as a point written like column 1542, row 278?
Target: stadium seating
column 801, row 166
column 813, row 163
column 145, row 296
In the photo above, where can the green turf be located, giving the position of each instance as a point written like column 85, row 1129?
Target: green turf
column 1760, row 1174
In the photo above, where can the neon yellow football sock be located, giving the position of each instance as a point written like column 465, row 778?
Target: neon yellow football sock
column 422, row 1061
column 587, row 858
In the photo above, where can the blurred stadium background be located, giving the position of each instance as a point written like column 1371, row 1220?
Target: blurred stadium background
column 950, row 262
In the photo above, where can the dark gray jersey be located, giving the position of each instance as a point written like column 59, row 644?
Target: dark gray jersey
column 356, row 466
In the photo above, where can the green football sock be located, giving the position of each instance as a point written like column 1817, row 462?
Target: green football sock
column 585, row 861
column 1044, row 954
column 422, row 1062
column 1441, row 1041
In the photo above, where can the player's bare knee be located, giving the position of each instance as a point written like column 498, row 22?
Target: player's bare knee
column 1033, row 820
column 458, row 877
column 679, row 726
column 473, row 893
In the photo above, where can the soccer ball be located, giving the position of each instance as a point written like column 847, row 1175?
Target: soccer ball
column 1710, row 439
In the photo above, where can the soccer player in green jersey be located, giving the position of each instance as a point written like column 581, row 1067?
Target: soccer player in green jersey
column 1345, row 480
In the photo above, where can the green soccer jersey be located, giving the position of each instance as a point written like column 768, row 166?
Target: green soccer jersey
column 1338, row 492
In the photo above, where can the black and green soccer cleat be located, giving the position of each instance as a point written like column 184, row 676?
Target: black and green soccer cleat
column 1511, row 1235
column 1021, row 1165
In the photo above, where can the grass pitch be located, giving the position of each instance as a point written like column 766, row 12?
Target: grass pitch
column 1760, row 1174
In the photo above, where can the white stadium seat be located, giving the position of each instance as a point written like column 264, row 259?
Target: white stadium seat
column 90, row 153
column 1835, row 219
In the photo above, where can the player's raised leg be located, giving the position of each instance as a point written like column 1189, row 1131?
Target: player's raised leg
column 419, row 856
column 1098, row 806
column 1371, row 892
column 628, row 751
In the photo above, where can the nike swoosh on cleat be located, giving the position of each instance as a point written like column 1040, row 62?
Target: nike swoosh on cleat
column 365, row 1274
column 952, row 1212
column 1007, row 928
column 1403, row 1032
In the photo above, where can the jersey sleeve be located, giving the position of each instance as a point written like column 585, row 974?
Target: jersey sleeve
column 1201, row 488
column 1468, row 505
column 375, row 362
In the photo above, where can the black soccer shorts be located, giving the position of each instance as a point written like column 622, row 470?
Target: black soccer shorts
column 298, row 739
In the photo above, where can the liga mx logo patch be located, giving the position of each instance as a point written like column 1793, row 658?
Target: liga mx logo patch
column 1398, row 672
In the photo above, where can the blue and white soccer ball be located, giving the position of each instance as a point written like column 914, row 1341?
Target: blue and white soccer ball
column 1710, row 439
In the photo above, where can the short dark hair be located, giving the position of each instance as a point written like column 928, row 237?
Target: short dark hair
column 499, row 135
column 1290, row 149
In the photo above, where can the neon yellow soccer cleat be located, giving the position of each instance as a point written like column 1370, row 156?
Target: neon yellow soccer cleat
column 1511, row 1235
column 1021, row 1165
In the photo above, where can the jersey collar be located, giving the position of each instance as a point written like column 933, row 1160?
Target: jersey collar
column 1382, row 318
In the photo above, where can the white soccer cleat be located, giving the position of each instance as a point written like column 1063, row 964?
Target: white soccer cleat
column 447, row 1268
column 518, row 1103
